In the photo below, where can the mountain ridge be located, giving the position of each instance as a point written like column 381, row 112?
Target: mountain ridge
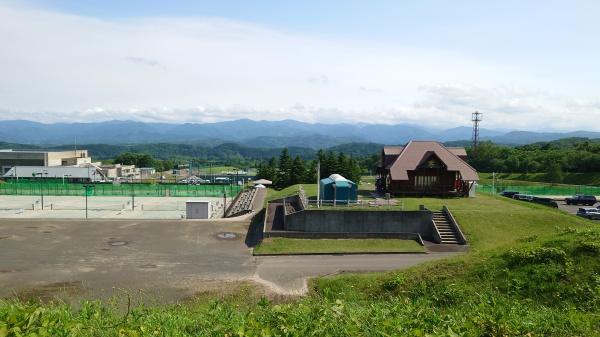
column 282, row 133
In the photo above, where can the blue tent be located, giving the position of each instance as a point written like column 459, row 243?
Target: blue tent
column 338, row 188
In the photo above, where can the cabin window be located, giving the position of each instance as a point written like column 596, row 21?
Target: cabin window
column 426, row 182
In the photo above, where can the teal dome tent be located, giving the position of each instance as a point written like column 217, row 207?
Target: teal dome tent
column 337, row 188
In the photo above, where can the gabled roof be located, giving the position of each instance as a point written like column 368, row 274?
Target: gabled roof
column 459, row 151
column 392, row 150
column 414, row 152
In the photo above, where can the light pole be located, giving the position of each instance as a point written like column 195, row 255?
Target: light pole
column 87, row 188
column 132, row 197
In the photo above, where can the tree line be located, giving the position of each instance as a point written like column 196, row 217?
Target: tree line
column 286, row 171
column 577, row 155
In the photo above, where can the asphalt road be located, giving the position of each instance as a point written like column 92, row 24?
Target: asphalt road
column 572, row 209
column 162, row 260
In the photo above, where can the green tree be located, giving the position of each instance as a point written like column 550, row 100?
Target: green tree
column 285, row 169
column 554, row 173
column 298, row 171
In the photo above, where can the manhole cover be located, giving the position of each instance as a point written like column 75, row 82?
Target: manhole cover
column 227, row 236
column 117, row 243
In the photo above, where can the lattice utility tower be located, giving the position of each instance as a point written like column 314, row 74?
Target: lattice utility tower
column 476, row 118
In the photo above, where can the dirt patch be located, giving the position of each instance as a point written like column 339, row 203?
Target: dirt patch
column 242, row 292
column 51, row 291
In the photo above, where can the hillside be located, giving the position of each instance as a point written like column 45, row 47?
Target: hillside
column 254, row 133
column 532, row 271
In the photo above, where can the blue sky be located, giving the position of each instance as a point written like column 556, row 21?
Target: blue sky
column 428, row 62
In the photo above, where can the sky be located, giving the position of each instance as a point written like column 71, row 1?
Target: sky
column 528, row 65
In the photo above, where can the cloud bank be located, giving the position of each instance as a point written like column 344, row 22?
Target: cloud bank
column 61, row 67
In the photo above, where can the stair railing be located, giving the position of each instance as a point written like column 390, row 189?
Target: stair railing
column 454, row 224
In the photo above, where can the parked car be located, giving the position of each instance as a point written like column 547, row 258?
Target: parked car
column 589, row 213
column 588, row 200
column 508, row 194
column 523, row 197
column 546, row 201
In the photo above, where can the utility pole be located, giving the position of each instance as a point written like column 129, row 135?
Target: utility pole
column 132, row 197
column 87, row 188
column 318, row 184
column 475, row 118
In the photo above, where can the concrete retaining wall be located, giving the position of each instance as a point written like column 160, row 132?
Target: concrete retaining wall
column 346, row 221
column 346, row 235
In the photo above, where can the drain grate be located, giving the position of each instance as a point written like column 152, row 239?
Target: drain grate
column 227, row 236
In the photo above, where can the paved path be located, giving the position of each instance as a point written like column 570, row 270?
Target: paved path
column 166, row 260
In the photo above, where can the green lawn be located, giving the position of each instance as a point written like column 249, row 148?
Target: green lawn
column 332, row 246
column 309, row 189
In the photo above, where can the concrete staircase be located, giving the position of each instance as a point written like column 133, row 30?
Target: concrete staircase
column 447, row 232
column 243, row 203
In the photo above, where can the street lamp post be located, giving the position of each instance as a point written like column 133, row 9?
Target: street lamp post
column 86, row 190
column 132, row 197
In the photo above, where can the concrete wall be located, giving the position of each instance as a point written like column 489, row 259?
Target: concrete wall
column 380, row 221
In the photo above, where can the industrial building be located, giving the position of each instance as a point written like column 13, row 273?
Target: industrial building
column 425, row 168
column 10, row 158
column 114, row 171
column 70, row 173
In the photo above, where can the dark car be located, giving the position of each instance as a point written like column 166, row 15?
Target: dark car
column 508, row 194
column 546, row 201
column 588, row 200
column 523, row 197
column 589, row 213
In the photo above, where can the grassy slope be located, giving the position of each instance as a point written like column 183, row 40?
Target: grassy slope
column 532, row 271
column 291, row 246
column 522, row 178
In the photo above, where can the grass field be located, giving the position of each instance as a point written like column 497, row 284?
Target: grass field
column 332, row 246
column 531, row 271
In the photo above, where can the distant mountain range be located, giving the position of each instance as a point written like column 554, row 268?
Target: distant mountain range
column 258, row 134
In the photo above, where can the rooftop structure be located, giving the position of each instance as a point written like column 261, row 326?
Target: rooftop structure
column 82, row 174
column 10, row 158
column 425, row 167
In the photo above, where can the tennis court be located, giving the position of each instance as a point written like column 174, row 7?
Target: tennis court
column 57, row 188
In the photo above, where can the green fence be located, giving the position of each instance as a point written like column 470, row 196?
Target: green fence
column 559, row 190
column 141, row 190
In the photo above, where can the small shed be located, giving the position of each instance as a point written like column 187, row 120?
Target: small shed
column 337, row 190
column 198, row 209
column 263, row 182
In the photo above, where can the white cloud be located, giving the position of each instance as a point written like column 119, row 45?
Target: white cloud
column 59, row 67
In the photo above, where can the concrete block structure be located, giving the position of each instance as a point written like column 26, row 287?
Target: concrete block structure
column 10, row 158
column 198, row 209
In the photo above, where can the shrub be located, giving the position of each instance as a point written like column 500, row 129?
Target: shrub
column 540, row 255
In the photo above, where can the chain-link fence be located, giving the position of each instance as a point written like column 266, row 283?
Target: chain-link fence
column 143, row 190
column 555, row 190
